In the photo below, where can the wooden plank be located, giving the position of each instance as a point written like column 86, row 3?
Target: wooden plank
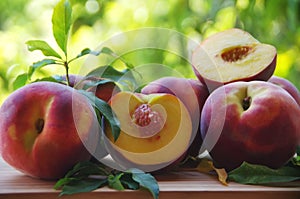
column 15, row 185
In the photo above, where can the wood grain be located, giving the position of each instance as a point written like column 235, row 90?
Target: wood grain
column 15, row 185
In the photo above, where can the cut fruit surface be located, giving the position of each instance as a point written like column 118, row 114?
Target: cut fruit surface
column 233, row 55
column 155, row 128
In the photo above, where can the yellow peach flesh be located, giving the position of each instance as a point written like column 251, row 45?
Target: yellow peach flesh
column 167, row 144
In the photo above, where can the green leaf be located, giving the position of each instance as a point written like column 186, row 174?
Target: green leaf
column 81, row 173
column 115, row 182
column 128, row 182
column 108, row 72
column 42, row 46
column 62, row 182
column 84, row 169
column 61, row 23
column 146, row 181
column 48, row 79
column 108, row 51
column 104, row 50
column 87, row 51
column 88, row 176
column 78, row 167
column 124, row 78
column 258, row 174
column 106, row 111
column 38, row 65
column 95, row 82
column 83, row 185
column 20, row 81
column 84, row 52
column 296, row 159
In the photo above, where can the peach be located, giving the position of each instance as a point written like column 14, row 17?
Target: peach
column 192, row 93
column 233, row 55
column 155, row 130
column 256, row 122
column 44, row 127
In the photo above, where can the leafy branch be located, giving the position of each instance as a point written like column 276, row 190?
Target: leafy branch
column 89, row 176
column 61, row 26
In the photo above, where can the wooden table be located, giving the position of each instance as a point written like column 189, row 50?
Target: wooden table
column 187, row 185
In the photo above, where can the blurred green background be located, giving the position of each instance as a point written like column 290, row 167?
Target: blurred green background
column 276, row 22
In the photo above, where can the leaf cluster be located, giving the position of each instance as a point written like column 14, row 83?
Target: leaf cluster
column 89, row 176
column 262, row 175
column 61, row 28
column 254, row 174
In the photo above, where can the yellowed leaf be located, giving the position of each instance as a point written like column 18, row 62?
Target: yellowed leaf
column 222, row 176
column 207, row 166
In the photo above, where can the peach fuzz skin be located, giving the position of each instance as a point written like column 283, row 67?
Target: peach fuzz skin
column 50, row 153
column 287, row 85
column 266, row 133
column 192, row 93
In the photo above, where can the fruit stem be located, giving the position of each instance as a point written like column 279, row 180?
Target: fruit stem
column 67, row 72
column 246, row 102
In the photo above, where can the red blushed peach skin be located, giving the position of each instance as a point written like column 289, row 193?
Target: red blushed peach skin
column 42, row 126
column 192, row 93
column 256, row 122
column 104, row 90
column 286, row 85
column 167, row 142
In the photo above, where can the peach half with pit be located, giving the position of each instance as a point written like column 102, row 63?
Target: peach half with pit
column 155, row 130
column 233, row 55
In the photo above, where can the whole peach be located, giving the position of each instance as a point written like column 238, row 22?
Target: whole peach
column 44, row 128
column 256, row 122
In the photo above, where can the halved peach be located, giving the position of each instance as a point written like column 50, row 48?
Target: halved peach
column 155, row 130
column 233, row 55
